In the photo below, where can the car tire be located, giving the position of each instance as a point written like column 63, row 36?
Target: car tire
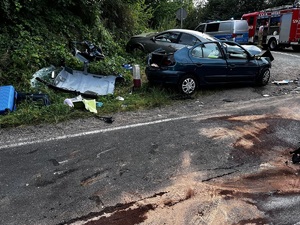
column 263, row 77
column 137, row 49
column 188, row 85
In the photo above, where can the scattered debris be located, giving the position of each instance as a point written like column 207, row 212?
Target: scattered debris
column 86, row 51
column 106, row 119
column 282, row 82
column 78, row 82
column 127, row 66
column 8, row 97
column 99, row 104
column 39, row 98
column 296, row 90
column 120, row 98
column 79, row 102
column 296, row 156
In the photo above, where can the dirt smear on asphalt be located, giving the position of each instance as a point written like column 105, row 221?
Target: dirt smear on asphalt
column 191, row 200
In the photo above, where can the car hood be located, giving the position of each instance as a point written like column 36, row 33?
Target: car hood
column 252, row 49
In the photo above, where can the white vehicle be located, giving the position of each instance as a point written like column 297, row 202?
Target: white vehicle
column 231, row 30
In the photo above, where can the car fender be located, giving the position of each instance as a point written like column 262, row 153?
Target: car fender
column 180, row 55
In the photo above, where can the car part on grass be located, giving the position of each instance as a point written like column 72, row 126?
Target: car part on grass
column 127, row 66
column 86, row 51
column 78, row 82
column 74, row 81
column 79, row 102
column 43, row 99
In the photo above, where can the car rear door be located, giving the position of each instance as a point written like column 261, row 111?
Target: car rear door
column 241, row 67
column 210, row 63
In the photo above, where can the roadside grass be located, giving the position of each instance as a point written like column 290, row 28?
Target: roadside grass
column 34, row 112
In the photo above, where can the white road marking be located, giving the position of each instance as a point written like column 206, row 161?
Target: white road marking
column 288, row 54
column 23, row 143
column 108, row 150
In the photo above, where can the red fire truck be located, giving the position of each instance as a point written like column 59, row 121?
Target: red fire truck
column 281, row 27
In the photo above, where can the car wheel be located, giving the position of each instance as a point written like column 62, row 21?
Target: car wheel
column 137, row 49
column 187, row 85
column 263, row 77
column 272, row 44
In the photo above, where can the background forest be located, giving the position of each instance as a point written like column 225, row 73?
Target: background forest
column 36, row 33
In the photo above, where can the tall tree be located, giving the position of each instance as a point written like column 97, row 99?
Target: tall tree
column 275, row 3
column 223, row 10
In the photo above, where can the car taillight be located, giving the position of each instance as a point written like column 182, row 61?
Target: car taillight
column 166, row 62
column 234, row 35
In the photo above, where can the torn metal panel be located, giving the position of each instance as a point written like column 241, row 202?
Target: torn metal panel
column 80, row 82
column 67, row 79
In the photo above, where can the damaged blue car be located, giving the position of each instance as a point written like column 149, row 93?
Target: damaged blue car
column 209, row 63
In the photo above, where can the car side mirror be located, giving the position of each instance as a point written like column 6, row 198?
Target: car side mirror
column 153, row 39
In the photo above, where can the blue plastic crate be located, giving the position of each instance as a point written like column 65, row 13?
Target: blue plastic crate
column 8, row 97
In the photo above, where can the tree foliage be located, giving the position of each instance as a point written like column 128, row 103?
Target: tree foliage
column 213, row 10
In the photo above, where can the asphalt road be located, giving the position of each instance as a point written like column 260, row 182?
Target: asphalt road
column 223, row 158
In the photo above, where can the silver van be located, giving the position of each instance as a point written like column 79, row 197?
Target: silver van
column 231, row 30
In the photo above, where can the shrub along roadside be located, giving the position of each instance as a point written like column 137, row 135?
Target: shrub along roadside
column 33, row 113
column 37, row 35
